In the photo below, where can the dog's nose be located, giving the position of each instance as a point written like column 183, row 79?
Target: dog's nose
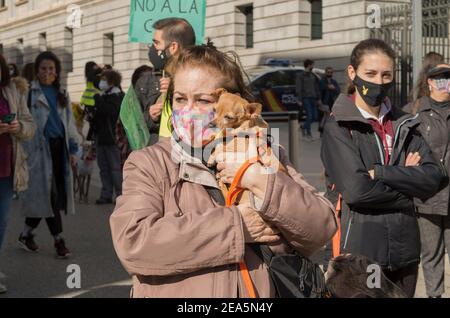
column 212, row 124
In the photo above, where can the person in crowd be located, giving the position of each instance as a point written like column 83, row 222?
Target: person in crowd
column 329, row 88
column 433, row 109
column 170, row 37
column 308, row 96
column 421, row 88
column 157, row 213
column 16, row 126
column 13, row 70
column 50, row 156
column 376, row 162
column 121, row 136
column 28, row 73
column 92, row 74
column 107, row 110
column 329, row 91
column 143, row 71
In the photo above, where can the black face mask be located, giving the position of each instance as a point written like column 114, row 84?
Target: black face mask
column 373, row 94
column 159, row 61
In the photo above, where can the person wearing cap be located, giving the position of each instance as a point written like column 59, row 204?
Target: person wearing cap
column 433, row 111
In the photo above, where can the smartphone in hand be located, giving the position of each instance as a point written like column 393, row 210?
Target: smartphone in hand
column 8, row 119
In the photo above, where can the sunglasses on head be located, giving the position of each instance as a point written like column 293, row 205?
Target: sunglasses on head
column 441, row 76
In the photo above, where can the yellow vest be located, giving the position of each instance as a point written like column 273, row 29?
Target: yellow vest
column 165, row 129
column 88, row 95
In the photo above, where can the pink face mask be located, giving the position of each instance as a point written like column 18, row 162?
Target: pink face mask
column 192, row 125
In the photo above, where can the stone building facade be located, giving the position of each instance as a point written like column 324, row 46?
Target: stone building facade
column 257, row 30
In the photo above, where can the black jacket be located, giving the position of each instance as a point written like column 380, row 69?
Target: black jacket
column 107, row 110
column 378, row 216
column 147, row 90
column 435, row 129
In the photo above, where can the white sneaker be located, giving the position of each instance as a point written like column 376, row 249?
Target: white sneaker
column 2, row 275
column 3, row 289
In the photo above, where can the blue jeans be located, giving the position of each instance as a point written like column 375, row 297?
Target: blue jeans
column 311, row 113
column 6, row 194
column 108, row 160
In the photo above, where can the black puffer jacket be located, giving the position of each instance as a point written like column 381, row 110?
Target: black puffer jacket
column 107, row 110
column 435, row 129
column 378, row 216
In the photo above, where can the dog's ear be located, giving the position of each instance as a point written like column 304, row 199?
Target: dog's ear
column 253, row 109
column 218, row 92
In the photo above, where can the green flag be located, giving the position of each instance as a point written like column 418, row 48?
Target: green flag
column 144, row 13
column 133, row 121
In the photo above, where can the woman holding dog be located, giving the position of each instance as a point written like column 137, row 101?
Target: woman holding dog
column 50, row 155
column 376, row 162
column 170, row 227
column 433, row 109
column 16, row 125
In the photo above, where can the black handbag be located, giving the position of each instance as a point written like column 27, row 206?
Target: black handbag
column 293, row 275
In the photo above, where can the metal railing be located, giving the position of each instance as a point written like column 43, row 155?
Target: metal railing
column 396, row 30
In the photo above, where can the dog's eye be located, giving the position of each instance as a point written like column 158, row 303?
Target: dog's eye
column 228, row 117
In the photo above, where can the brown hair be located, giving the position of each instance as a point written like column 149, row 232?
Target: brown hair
column 421, row 89
column 367, row 47
column 6, row 78
column 225, row 64
column 176, row 30
column 113, row 77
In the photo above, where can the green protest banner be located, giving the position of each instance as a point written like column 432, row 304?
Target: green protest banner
column 143, row 13
column 133, row 121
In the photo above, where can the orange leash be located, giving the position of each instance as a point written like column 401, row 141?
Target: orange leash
column 232, row 194
column 336, row 242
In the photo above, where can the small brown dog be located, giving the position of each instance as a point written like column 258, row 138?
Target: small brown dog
column 236, row 113
column 233, row 111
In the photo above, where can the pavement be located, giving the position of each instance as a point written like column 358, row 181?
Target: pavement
column 88, row 236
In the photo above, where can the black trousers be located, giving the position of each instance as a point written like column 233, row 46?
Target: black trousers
column 405, row 278
column 58, row 189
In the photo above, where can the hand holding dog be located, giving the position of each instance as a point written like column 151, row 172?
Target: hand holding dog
column 232, row 156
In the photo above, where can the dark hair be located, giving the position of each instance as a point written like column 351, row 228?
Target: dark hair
column 370, row 46
column 113, row 77
column 6, row 78
column 431, row 60
column 176, row 30
column 28, row 72
column 366, row 47
column 89, row 71
column 138, row 73
column 16, row 70
column 50, row 56
column 308, row 63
